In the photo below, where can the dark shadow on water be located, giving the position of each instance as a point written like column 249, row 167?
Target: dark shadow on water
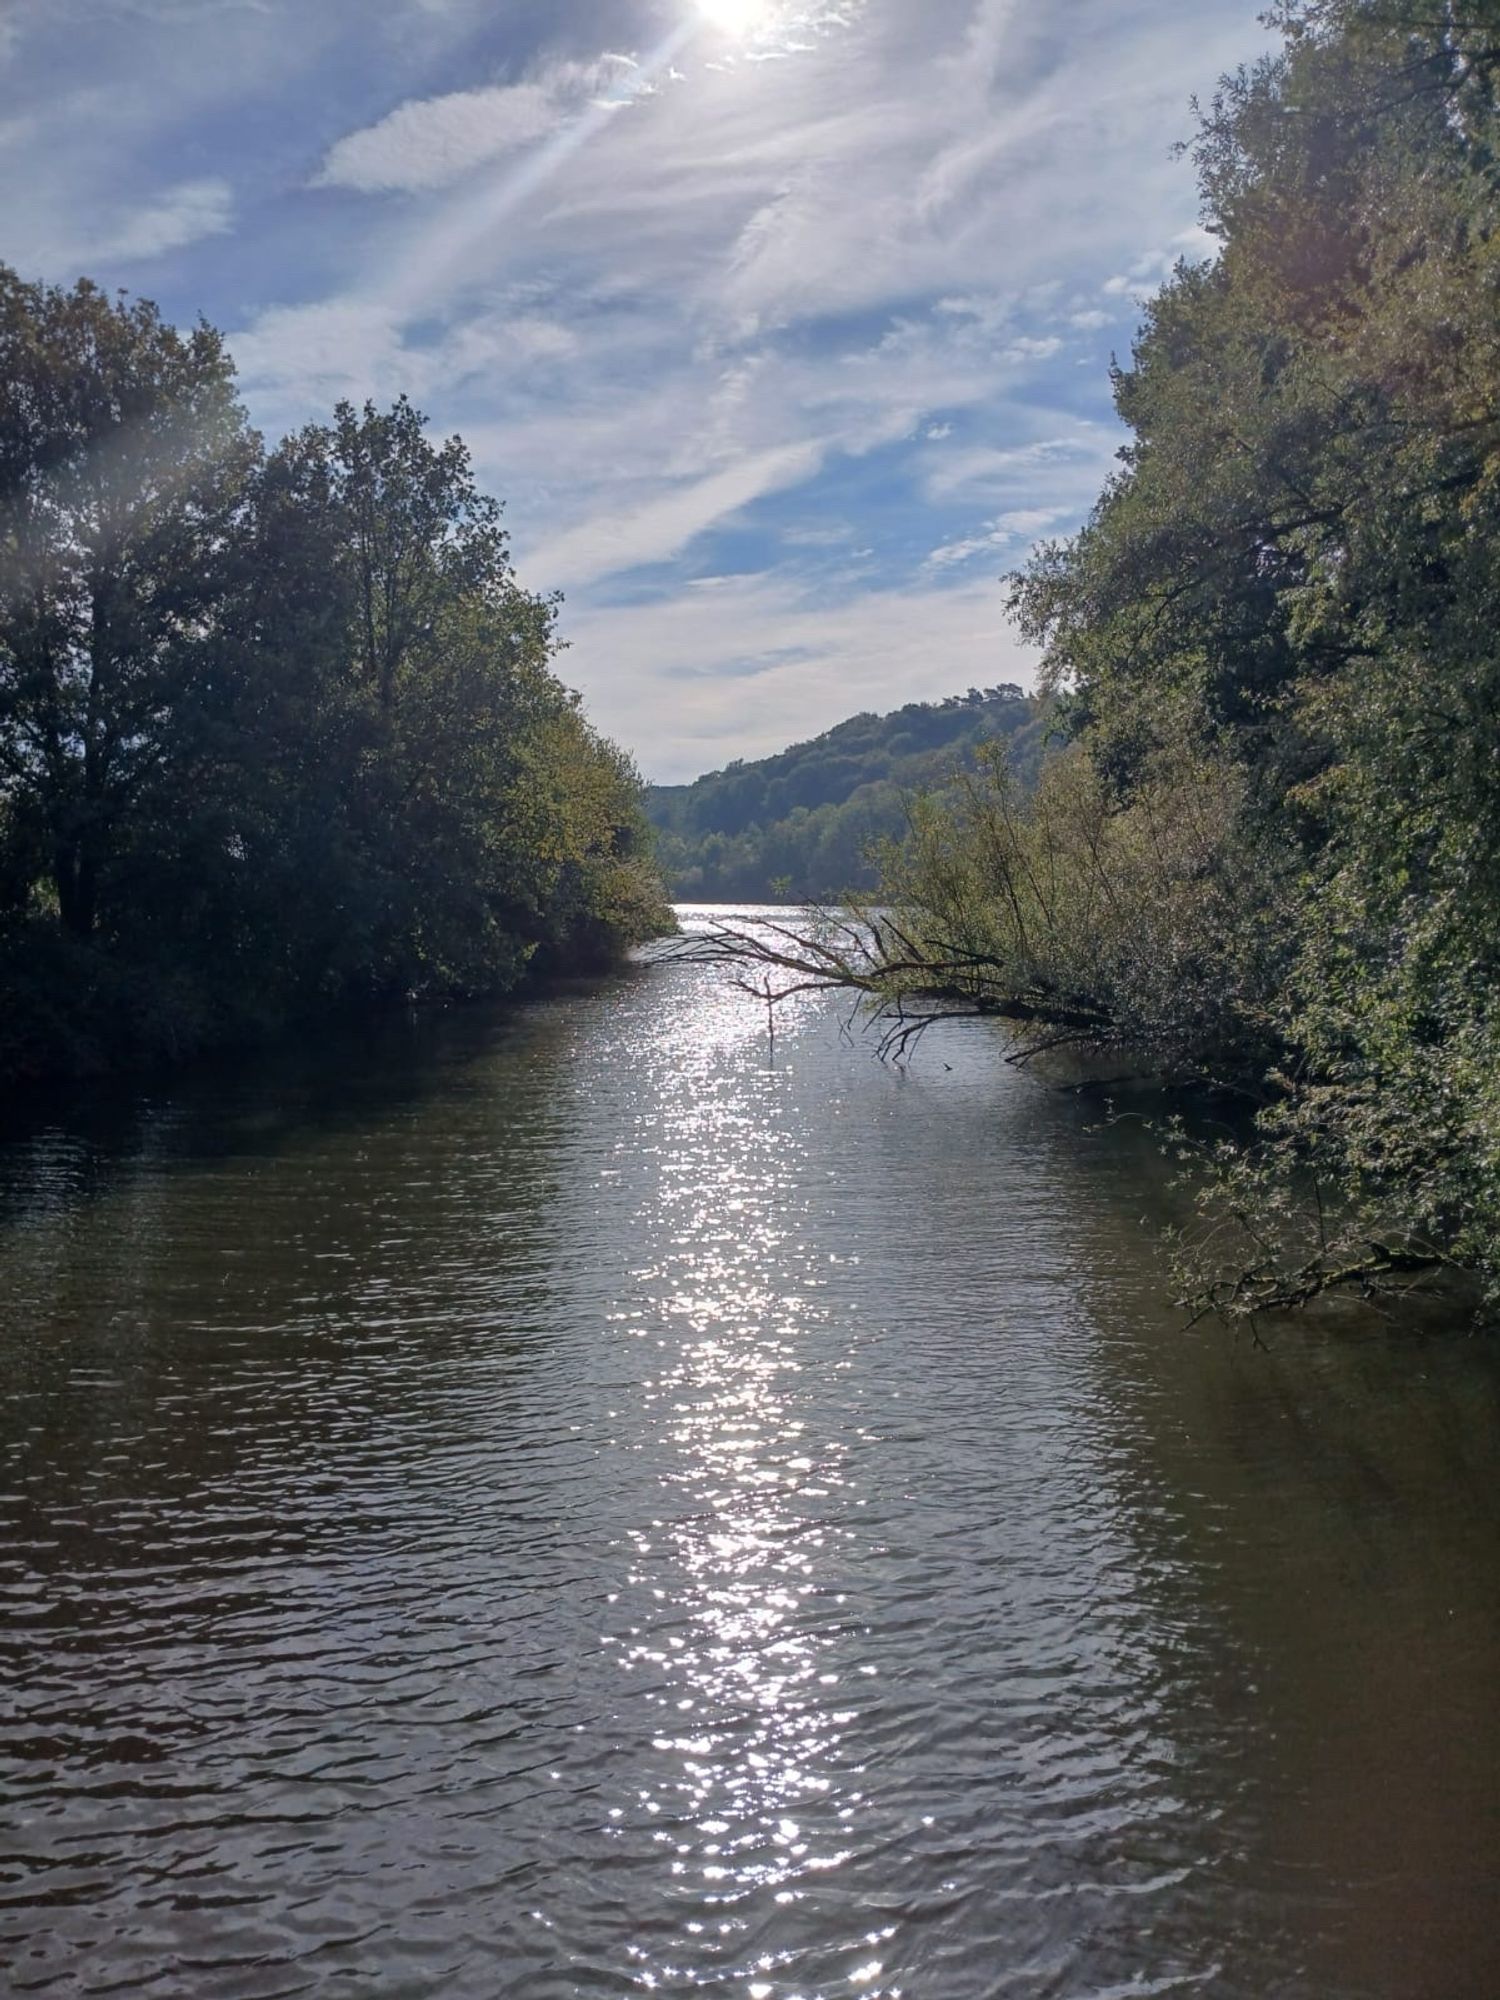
column 68, row 1148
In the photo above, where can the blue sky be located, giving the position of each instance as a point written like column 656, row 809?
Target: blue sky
column 782, row 327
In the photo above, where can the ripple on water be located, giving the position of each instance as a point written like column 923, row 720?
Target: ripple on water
column 582, row 1508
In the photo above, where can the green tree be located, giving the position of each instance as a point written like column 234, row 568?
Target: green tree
column 276, row 731
column 459, row 786
column 1272, row 856
column 1296, row 570
column 124, row 458
column 808, row 817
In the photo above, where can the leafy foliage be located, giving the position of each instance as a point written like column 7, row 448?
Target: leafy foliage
column 1295, row 571
column 277, row 730
column 1112, row 925
column 1271, row 858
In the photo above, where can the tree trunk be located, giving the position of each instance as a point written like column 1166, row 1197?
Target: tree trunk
column 75, row 879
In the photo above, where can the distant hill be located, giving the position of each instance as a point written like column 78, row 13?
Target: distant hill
column 797, row 827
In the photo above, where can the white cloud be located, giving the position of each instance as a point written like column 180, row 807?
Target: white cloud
column 675, row 375
column 848, row 284
column 304, row 358
column 1006, row 532
column 1196, row 244
column 297, row 361
column 517, row 340
column 662, row 527
column 1030, row 348
column 953, row 555
column 184, row 214
column 438, row 139
column 431, row 142
column 1145, row 275
column 819, row 535
column 1069, row 466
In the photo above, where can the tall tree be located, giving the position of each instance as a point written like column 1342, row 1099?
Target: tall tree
column 439, row 676
column 124, row 457
column 1296, row 569
column 418, row 532
column 275, row 731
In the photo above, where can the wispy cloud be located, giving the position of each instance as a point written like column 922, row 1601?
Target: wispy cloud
column 1006, row 532
column 434, row 141
column 1070, row 466
column 1147, row 271
column 662, row 527
column 126, row 236
column 757, row 662
column 184, row 214
column 337, row 348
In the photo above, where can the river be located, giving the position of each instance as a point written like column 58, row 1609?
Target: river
column 580, row 1502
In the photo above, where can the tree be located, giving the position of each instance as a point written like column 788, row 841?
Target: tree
column 1284, row 605
column 1296, row 567
column 437, row 677
column 275, row 731
column 417, row 532
column 124, row 458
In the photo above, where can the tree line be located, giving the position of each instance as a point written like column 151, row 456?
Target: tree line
column 279, row 728
column 1268, row 858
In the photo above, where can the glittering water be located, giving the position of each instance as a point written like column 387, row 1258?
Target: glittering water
column 564, row 1506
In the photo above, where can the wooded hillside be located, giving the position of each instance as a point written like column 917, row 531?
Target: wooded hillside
column 803, row 826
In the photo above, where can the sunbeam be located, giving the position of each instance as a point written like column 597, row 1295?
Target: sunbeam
column 447, row 252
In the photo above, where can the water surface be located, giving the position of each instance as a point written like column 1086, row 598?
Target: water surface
column 567, row 1505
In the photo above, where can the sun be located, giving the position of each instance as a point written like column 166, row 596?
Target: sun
column 735, row 17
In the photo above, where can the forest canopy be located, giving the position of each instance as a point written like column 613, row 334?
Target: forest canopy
column 279, row 728
column 808, row 824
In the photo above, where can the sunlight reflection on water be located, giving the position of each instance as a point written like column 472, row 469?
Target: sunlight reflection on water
column 749, row 1692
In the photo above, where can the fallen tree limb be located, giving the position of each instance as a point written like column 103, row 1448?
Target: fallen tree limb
column 894, row 972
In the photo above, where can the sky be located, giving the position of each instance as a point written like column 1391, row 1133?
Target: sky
column 781, row 327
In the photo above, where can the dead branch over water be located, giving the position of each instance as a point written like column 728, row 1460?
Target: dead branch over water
column 904, row 980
